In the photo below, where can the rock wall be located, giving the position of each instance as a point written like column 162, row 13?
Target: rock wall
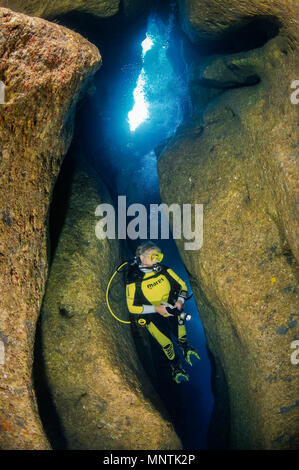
column 237, row 156
column 102, row 394
column 98, row 8
column 210, row 19
column 45, row 69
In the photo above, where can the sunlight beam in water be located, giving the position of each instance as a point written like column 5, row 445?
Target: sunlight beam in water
column 146, row 45
column 140, row 113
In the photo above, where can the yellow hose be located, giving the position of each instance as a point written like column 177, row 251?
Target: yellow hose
column 107, row 291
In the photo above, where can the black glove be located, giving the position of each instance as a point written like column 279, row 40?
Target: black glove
column 174, row 311
column 182, row 316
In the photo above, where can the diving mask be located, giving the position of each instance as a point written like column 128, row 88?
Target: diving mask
column 156, row 257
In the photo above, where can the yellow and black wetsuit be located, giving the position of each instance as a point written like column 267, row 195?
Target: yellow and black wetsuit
column 146, row 289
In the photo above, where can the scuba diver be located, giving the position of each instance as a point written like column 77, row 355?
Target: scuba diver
column 155, row 298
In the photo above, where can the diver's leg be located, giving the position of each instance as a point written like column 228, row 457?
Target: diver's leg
column 162, row 339
column 177, row 372
column 181, row 335
column 188, row 351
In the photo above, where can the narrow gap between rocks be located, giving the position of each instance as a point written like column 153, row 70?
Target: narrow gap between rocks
column 120, row 146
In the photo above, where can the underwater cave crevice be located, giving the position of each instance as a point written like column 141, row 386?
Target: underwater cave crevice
column 57, row 215
column 101, row 142
column 232, row 61
column 252, row 34
column 47, row 411
column 219, row 430
column 60, row 203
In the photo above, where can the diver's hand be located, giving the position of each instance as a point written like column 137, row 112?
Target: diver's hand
column 161, row 309
column 178, row 305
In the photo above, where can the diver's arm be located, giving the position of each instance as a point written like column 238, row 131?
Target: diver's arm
column 148, row 309
column 184, row 291
column 130, row 294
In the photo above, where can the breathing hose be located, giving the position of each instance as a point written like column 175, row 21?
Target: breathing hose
column 107, row 292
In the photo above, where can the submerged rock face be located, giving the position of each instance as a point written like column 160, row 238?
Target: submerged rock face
column 101, row 8
column 98, row 8
column 44, row 68
column 100, row 390
column 210, row 19
column 237, row 156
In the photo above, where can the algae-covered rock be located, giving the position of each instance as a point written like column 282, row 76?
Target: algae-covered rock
column 210, row 19
column 101, row 8
column 97, row 8
column 44, row 68
column 237, row 156
column 99, row 387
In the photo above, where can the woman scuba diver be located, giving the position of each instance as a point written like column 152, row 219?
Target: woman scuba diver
column 155, row 298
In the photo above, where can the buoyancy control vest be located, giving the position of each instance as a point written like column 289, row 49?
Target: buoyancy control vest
column 136, row 276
